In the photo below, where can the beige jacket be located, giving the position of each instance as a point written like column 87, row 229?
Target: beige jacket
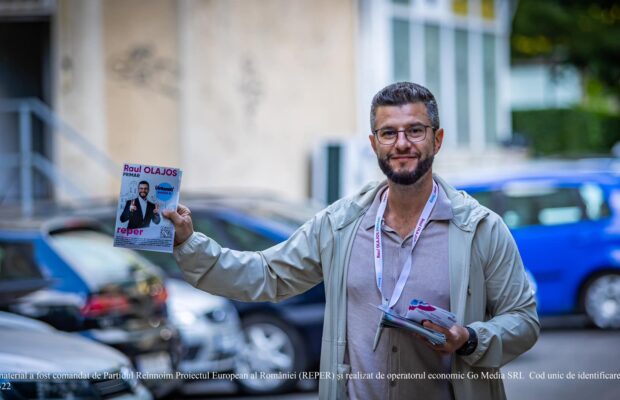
column 489, row 290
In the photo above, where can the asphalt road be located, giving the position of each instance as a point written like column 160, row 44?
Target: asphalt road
column 568, row 364
column 565, row 364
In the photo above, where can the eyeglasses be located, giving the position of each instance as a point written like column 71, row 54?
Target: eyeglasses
column 413, row 133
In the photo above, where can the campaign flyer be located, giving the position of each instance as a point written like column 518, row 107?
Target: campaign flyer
column 419, row 311
column 146, row 191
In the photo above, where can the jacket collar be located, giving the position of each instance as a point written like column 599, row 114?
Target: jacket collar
column 466, row 211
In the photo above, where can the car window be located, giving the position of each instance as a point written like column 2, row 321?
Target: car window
column 542, row 205
column 17, row 262
column 483, row 198
column 291, row 215
column 594, row 199
column 245, row 239
column 203, row 223
column 92, row 255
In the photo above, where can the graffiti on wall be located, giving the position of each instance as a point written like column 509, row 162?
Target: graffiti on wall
column 141, row 66
column 250, row 87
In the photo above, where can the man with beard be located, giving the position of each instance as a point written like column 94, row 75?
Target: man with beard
column 410, row 237
column 139, row 211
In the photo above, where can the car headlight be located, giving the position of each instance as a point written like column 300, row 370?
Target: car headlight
column 225, row 313
column 128, row 374
column 183, row 317
column 218, row 315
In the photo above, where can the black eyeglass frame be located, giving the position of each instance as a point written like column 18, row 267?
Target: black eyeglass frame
column 376, row 131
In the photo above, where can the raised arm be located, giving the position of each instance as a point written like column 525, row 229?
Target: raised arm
column 282, row 271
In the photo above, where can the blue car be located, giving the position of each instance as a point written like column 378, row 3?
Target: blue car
column 566, row 223
column 80, row 283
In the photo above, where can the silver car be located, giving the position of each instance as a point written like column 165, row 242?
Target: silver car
column 39, row 362
column 209, row 328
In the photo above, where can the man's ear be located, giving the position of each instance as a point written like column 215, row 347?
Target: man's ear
column 438, row 139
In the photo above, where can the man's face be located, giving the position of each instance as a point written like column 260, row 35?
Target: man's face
column 405, row 162
column 143, row 190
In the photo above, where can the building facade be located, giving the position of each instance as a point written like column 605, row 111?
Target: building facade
column 240, row 94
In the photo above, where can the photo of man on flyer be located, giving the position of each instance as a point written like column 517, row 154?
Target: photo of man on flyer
column 139, row 211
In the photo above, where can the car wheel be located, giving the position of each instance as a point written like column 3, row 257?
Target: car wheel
column 602, row 301
column 272, row 356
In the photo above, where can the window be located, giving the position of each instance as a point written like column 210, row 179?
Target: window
column 460, row 7
column 542, row 205
column 462, row 86
column 455, row 48
column 484, row 198
column 203, row 223
column 488, row 9
column 17, row 262
column 91, row 254
column 432, row 70
column 594, row 199
column 245, row 239
column 401, row 45
column 490, row 90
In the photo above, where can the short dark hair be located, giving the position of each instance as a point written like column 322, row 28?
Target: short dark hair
column 144, row 183
column 401, row 93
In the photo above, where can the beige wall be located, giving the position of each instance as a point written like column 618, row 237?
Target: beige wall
column 142, row 95
column 237, row 93
column 263, row 82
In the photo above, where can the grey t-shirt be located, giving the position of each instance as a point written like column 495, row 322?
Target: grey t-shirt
column 398, row 351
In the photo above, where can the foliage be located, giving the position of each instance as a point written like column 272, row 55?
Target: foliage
column 582, row 33
column 568, row 132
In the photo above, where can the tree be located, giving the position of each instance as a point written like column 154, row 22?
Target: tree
column 581, row 33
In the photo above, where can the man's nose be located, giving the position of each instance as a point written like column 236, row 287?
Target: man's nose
column 402, row 141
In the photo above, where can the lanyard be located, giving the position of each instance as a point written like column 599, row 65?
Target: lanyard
column 378, row 253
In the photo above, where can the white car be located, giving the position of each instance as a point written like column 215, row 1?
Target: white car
column 39, row 362
column 209, row 328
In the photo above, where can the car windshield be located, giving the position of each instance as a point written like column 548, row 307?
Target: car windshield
column 291, row 215
column 93, row 257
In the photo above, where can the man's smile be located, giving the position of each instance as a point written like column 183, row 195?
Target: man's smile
column 403, row 157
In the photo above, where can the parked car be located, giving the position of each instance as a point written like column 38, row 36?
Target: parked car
column 103, row 293
column 280, row 337
column 566, row 222
column 209, row 328
column 43, row 362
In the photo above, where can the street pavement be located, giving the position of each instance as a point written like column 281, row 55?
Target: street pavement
column 565, row 364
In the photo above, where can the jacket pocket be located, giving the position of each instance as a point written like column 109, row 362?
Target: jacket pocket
column 343, row 371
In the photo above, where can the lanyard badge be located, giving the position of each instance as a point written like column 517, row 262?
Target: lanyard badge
column 406, row 270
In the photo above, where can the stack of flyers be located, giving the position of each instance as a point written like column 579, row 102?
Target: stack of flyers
column 393, row 320
column 146, row 191
column 421, row 311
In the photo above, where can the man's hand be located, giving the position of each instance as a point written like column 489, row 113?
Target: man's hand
column 182, row 220
column 455, row 337
column 156, row 209
column 133, row 207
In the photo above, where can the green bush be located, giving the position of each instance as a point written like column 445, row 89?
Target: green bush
column 567, row 132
